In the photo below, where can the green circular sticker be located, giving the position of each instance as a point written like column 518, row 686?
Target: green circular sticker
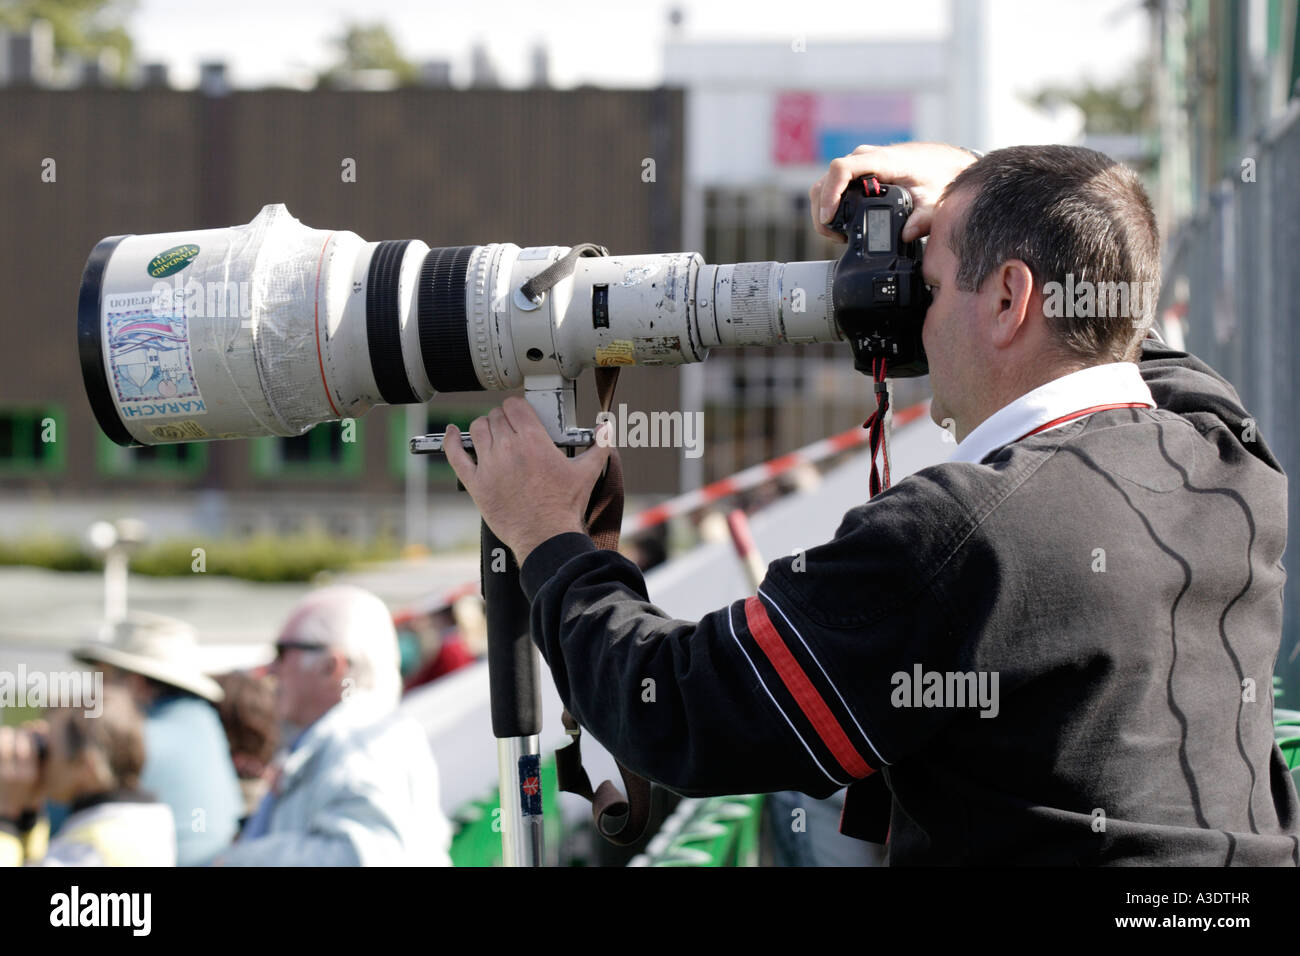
column 171, row 260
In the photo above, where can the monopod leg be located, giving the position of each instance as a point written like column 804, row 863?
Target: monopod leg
column 516, row 703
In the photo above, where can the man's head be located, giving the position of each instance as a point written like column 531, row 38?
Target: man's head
column 337, row 641
column 1006, row 229
column 92, row 755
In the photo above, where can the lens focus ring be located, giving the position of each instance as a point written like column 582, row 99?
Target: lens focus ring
column 383, row 323
column 444, row 329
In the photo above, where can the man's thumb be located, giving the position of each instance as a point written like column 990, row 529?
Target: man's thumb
column 595, row 457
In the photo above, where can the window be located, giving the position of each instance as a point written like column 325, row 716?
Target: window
column 330, row 450
column 188, row 459
column 32, row 440
column 436, row 420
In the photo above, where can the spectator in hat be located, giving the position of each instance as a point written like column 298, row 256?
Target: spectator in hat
column 187, row 765
column 356, row 784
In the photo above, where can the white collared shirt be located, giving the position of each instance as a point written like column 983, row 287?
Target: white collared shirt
column 1110, row 384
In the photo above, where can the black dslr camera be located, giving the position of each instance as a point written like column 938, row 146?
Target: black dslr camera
column 879, row 295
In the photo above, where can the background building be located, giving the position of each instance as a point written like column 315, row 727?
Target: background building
column 763, row 120
column 451, row 167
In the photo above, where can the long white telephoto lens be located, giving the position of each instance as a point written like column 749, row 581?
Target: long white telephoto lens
column 274, row 327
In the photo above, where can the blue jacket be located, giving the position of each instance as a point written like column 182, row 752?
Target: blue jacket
column 187, row 766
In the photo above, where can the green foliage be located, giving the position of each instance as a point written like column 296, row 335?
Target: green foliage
column 16, row 716
column 80, row 26
column 369, row 47
column 259, row 558
column 1120, row 107
column 47, row 551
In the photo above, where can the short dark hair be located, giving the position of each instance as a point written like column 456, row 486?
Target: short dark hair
column 1064, row 211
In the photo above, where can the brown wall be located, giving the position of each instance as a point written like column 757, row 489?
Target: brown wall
column 536, row 167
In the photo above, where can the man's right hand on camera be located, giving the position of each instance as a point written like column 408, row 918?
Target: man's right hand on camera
column 924, row 168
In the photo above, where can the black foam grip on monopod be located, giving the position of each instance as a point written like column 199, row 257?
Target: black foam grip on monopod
column 512, row 659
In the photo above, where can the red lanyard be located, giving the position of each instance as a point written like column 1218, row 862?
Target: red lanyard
column 1079, row 414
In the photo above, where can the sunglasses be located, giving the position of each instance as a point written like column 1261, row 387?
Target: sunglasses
column 283, row 647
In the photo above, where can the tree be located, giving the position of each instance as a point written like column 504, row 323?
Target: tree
column 1121, row 107
column 369, row 47
column 82, row 27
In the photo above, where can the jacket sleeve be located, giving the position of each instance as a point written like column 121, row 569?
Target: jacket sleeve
column 1183, row 384
column 758, row 696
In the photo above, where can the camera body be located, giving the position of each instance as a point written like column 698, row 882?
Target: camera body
column 879, row 295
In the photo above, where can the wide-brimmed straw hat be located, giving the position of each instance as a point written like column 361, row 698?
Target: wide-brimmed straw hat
column 155, row 646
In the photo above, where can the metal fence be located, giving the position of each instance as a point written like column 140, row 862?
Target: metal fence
column 1236, row 263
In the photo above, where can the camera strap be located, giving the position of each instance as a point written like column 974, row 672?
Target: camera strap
column 619, row 819
column 878, row 436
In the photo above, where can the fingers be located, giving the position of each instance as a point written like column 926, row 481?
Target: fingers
column 501, row 427
column 481, row 432
column 19, row 764
column 918, row 223
column 824, row 197
column 839, row 175
column 815, row 203
column 458, row 457
column 25, row 755
column 814, row 206
column 523, row 417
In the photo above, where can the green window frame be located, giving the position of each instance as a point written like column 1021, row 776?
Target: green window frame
column 436, row 420
column 170, row 460
column 23, row 450
column 311, row 454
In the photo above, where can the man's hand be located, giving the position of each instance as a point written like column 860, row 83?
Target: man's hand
column 924, row 168
column 20, row 771
column 526, row 489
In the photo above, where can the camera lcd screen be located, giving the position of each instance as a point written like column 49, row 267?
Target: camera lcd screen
column 878, row 230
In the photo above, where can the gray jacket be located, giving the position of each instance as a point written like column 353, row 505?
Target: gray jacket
column 360, row 788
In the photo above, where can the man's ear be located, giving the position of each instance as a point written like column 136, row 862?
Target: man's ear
column 336, row 665
column 1013, row 283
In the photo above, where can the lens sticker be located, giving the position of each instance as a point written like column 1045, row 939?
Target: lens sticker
column 178, row 431
column 616, row 352
column 150, row 360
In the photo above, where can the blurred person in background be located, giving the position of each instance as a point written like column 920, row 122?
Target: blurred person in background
column 356, row 783
column 188, row 766
column 448, row 639
column 438, row 647
column 93, row 764
column 248, row 715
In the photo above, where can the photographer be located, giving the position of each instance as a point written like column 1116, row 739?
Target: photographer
column 1047, row 648
column 92, row 763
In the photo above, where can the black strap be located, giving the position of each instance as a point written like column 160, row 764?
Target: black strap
column 620, row 820
column 876, row 424
column 559, row 269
